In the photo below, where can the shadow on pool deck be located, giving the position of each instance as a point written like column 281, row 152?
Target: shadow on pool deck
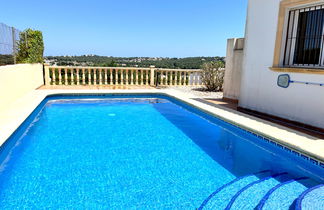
column 233, row 104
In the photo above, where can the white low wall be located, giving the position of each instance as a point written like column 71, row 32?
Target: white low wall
column 233, row 68
column 18, row 80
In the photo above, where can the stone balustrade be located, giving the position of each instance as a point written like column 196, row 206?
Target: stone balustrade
column 73, row 75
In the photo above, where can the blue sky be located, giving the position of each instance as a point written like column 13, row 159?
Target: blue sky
column 167, row 28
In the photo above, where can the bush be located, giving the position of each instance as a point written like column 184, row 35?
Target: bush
column 30, row 47
column 213, row 75
column 6, row 59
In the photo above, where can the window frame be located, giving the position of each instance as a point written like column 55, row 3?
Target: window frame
column 291, row 27
column 279, row 48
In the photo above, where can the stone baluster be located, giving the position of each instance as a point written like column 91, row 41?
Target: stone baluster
column 89, row 76
column 160, row 74
column 189, row 77
column 169, row 78
column 142, row 76
column 164, row 78
column 77, row 76
column 146, row 77
column 132, row 77
column 192, row 78
column 152, row 72
column 83, row 76
column 105, row 77
column 95, row 76
column 47, row 74
column 72, row 76
column 176, row 78
column 122, row 76
column 60, row 76
column 127, row 82
column 110, row 76
column 116, row 77
column 100, row 76
column 161, row 78
column 136, row 76
column 65, row 77
column 180, row 78
column 53, row 76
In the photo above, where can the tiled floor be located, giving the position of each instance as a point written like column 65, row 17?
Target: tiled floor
column 232, row 104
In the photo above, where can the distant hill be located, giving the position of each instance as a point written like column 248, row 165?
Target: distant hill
column 158, row 62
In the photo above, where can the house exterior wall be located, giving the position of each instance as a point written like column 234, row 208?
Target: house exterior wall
column 18, row 80
column 233, row 68
column 259, row 90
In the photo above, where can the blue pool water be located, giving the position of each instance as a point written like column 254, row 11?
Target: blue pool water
column 122, row 152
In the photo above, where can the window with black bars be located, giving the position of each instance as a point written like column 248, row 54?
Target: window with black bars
column 304, row 40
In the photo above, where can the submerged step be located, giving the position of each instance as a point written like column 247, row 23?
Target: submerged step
column 284, row 194
column 312, row 198
column 220, row 198
column 249, row 196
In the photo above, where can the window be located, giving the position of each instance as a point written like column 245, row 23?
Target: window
column 304, row 39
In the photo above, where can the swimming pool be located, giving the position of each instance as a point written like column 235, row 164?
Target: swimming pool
column 139, row 151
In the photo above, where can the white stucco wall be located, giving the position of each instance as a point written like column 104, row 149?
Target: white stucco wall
column 259, row 90
column 18, row 80
column 233, row 68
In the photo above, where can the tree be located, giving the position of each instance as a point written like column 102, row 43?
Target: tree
column 213, row 75
column 30, row 47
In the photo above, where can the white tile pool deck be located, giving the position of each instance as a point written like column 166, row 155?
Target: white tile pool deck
column 12, row 117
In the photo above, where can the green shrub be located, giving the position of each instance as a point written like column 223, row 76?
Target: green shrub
column 30, row 47
column 6, row 59
column 213, row 75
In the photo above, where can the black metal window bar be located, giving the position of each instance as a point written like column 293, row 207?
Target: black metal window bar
column 304, row 40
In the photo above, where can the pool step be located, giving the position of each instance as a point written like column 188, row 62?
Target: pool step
column 264, row 190
column 249, row 196
column 284, row 194
column 220, row 198
column 313, row 198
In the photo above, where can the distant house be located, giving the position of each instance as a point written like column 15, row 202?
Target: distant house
column 282, row 62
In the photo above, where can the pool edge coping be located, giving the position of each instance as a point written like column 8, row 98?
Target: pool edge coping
column 264, row 129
